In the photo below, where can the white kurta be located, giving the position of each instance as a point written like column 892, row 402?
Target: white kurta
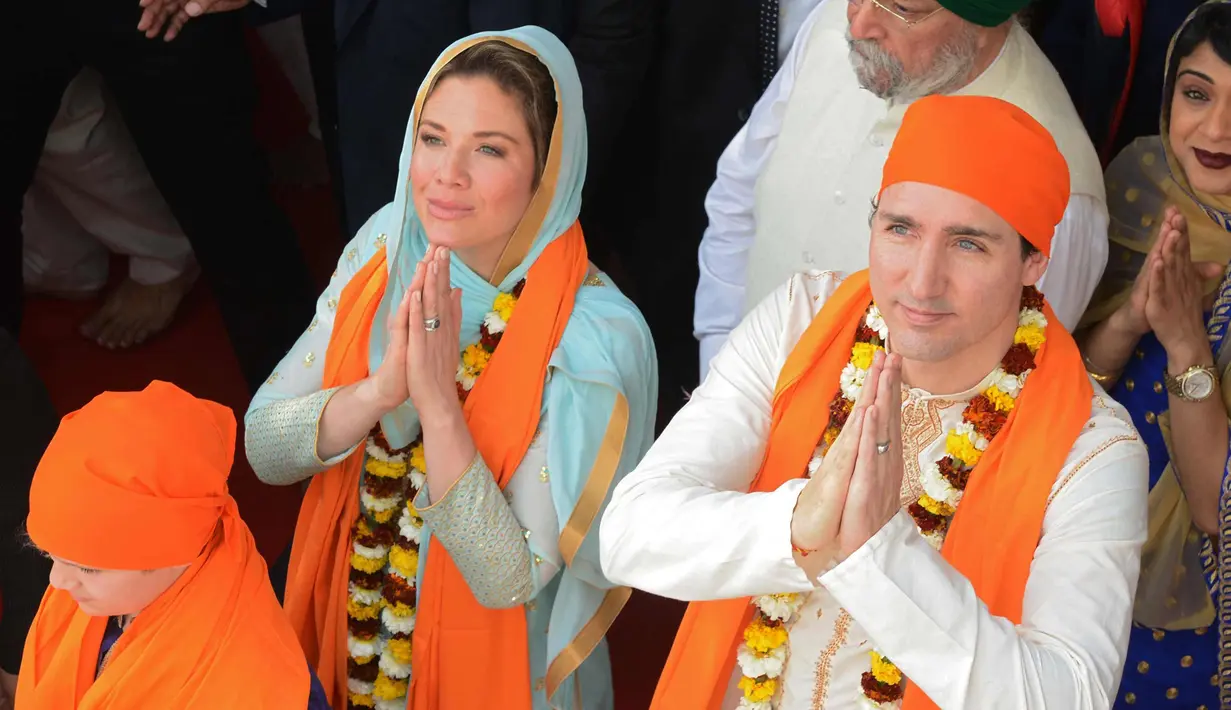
column 775, row 212
column 683, row 525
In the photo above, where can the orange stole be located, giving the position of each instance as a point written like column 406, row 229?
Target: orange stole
column 454, row 634
column 193, row 648
column 992, row 537
column 316, row 585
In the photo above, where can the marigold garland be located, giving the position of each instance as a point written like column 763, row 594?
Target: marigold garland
column 945, row 481
column 763, row 655
column 384, row 562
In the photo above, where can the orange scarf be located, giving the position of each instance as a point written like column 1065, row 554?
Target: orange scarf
column 138, row 481
column 992, row 537
column 196, row 648
column 457, row 641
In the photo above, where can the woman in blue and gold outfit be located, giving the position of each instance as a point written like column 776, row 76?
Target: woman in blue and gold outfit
column 1157, row 340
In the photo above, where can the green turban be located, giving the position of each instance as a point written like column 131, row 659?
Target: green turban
column 988, row 13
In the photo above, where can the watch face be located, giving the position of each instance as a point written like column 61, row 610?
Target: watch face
column 1198, row 385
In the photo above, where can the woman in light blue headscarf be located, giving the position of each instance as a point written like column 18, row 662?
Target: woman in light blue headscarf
column 444, row 557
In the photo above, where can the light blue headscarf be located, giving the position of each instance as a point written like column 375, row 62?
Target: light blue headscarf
column 604, row 369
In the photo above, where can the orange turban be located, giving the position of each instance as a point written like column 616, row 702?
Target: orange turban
column 138, row 481
column 128, row 460
column 989, row 150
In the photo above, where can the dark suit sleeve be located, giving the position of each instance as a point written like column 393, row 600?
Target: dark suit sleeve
column 612, row 42
column 24, row 436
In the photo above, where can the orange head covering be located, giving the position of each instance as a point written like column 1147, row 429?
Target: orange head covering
column 989, row 150
column 138, row 481
column 124, row 460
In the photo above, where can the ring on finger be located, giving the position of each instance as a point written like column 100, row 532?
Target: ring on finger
column 882, row 447
column 431, row 324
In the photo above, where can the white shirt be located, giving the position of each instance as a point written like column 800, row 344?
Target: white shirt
column 711, row 539
column 848, row 148
column 791, row 17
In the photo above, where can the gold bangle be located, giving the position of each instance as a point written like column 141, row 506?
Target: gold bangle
column 1103, row 378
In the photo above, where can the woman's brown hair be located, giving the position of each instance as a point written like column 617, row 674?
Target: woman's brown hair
column 519, row 74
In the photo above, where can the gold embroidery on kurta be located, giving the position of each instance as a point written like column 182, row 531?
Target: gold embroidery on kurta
column 921, row 426
column 1085, row 460
column 820, row 689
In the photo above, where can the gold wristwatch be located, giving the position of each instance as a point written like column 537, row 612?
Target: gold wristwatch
column 1195, row 384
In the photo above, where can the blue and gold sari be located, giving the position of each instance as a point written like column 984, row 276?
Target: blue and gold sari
column 1174, row 645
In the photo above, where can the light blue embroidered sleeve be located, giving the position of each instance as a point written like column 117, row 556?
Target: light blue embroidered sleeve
column 280, row 439
column 477, row 526
column 280, row 427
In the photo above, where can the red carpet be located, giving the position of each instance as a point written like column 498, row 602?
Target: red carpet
column 195, row 354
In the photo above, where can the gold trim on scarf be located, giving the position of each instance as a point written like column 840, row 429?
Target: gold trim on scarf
column 597, row 483
column 518, row 246
column 589, row 503
column 575, row 653
column 531, row 221
column 420, row 98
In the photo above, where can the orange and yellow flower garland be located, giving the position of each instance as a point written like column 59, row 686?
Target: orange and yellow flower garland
column 945, row 481
column 763, row 655
column 385, row 539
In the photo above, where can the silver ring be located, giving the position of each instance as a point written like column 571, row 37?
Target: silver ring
column 431, row 324
column 882, row 448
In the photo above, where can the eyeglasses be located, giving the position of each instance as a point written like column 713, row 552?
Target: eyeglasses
column 909, row 23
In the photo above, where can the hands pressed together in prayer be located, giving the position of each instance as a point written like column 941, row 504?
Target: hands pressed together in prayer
column 857, row 488
column 421, row 363
column 1167, row 297
column 168, row 17
column 421, row 359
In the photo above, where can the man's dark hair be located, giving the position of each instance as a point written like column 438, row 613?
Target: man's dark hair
column 1027, row 247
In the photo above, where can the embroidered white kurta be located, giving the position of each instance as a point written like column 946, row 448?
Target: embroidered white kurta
column 683, row 525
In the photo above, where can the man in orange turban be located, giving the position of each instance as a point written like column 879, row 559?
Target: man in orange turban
column 901, row 486
column 158, row 596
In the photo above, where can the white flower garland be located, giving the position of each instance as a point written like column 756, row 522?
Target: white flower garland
column 762, row 668
column 398, row 562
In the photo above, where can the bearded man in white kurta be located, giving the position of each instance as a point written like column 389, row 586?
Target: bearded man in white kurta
column 812, row 149
column 867, row 541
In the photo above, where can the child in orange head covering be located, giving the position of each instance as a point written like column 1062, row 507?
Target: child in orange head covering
column 158, row 597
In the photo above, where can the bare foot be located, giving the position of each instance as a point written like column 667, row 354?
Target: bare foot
column 134, row 312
